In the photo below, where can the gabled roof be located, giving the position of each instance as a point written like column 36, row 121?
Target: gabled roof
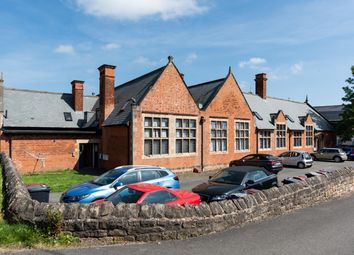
column 40, row 109
column 331, row 112
column 292, row 110
column 204, row 93
column 128, row 93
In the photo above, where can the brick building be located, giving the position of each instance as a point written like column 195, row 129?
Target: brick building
column 155, row 119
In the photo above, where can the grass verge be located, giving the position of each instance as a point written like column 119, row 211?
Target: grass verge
column 25, row 236
column 58, row 181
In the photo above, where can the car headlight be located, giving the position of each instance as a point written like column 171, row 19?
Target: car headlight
column 77, row 198
column 218, row 198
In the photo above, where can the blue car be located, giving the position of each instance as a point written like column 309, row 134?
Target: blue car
column 115, row 179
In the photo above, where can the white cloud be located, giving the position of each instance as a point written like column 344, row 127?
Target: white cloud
column 144, row 61
column 191, row 58
column 111, row 46
column 252, row 62
column 297, row 68
column 65, row 49
column 137, row 9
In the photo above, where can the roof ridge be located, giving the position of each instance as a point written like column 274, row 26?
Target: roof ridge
column 277, row 98
column 204, row 83
column 43, row 91
column 138, row 78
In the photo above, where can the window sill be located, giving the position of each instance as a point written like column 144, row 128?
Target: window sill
column 218, row 152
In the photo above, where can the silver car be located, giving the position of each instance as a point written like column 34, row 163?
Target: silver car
column 301, row 159
column 336, row 154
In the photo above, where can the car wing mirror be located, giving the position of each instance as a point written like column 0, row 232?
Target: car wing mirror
column 210, row 177
column 117, row 184
column 249, row 182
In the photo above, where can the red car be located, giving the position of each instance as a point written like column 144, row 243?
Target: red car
column 146, row 193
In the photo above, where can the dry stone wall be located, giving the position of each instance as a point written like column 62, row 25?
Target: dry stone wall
column 158, row 222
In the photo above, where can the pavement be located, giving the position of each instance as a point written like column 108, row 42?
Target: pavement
column 189, row 181
column 323, row 229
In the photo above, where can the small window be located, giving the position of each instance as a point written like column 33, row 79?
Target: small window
column 257, row 115
column 67, row 116
column 159, row 197
column 148, row 175
column 129, row 178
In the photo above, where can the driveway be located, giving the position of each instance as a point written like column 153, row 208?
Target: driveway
column 189, row 181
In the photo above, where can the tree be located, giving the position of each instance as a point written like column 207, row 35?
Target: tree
column 345, row 127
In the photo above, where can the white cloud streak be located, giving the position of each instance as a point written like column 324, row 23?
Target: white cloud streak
column 111, row 46
column 138, row 9
column 252, row 62
column 297, row 68
column 65, row 49
column 191, row 58
column 141, row 60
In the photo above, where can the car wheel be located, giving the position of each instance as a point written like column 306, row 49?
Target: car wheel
column 337, row 159
column 301, row 165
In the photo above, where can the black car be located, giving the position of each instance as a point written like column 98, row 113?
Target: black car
column 349, row 151
column 227, row 183
column 268, row 161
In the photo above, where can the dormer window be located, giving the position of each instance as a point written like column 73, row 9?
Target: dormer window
column 289, row 118
column 257, row 115
column 67, row 116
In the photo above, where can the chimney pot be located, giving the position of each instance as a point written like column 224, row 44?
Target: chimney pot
column 261, row 85
column 78, row 95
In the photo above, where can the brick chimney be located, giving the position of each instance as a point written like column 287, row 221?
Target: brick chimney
column 78, row 95
column 261, row 85
column 107, row 77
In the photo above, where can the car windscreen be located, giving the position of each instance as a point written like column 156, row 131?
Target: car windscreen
column 125, row 195
column 108, row 177
column 307, row 156
column 229, row 176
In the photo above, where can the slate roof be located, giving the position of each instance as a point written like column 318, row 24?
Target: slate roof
column 39, row 109
column 127, row 93
column 331, row 112
column 297, row 111
column 204, row 93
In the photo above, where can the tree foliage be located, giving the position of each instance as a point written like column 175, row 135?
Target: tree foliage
column 345, row 127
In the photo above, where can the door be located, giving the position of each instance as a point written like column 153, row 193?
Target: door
column 88, row 155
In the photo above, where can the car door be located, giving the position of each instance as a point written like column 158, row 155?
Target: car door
column 285, row 158
column 256, row 178
column 129, row 178
column 321, row 154
column 294, row 158
column 150, row 176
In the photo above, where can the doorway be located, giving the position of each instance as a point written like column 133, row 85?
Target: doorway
column 88, row 157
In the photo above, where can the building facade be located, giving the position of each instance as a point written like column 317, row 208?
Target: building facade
column 155, row 119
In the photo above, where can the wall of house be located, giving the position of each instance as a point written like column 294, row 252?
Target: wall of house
column 33, row 153
column 115, row 146
column 230, row 105
column 169, row 98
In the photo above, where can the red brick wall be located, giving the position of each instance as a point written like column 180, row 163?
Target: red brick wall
column 115, row 144
column 229, row 104
column 33, row 153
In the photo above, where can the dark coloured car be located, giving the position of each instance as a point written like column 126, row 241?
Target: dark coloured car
column 229, row 182
column 268, row 161
column 349, row 151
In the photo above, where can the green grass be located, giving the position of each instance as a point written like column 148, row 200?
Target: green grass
column 22, row 235
column 58, row 181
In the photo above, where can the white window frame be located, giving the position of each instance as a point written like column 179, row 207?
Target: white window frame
column 306, row 136
column 297, row 137
column 221, row 138
column 245, row 137
column 262, row 136
column 282, row 137
column 189, row 137
column 159, row 129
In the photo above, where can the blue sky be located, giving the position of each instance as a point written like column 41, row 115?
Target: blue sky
column 305, row 47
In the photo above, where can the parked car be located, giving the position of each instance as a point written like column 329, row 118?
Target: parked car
column 227, row 183
column 301, row 159
column 349, row 151
column 114, row 179
column 269, row 162
column 336, row 154
column 146, row 193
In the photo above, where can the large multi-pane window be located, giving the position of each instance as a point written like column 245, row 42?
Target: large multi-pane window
column 265, row 138
column 186, row 130
column 218, row 136
column 156, row 136
column 309, row 135
column 281, row 135
column 297, row 138
column 242, row 132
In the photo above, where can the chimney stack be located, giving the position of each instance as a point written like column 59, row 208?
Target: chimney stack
column 78, row 95
column 107, row 77
column 261, row 85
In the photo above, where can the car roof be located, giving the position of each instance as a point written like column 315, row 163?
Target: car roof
column 138, row 167
column 146, row 187
column 244, row 169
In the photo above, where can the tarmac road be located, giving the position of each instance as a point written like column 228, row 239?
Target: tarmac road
column 190, row 181
column 324, row 229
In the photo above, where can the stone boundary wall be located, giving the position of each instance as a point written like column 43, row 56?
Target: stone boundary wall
column 158, row 222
